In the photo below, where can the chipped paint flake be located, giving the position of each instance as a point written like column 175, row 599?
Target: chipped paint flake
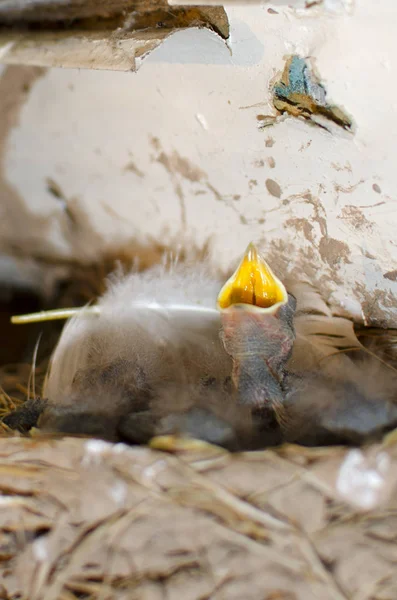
column 300, row 93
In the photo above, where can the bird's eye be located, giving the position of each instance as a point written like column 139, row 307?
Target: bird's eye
column 253, row 283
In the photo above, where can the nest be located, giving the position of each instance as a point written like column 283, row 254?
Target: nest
column 83, row 518
column 89, row 519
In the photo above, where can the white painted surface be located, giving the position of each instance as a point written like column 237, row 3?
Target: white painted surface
column 200, row 100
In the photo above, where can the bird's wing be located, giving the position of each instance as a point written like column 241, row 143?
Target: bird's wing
column 323, row 342
column 336, row 390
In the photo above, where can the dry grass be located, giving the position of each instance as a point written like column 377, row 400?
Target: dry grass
column 84, row 519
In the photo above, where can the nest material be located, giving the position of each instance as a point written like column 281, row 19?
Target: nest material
column 89, row 519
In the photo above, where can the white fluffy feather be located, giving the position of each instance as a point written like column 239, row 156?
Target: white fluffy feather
column 159, row 326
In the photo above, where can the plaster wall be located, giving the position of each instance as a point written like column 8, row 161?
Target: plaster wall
column 92, row 160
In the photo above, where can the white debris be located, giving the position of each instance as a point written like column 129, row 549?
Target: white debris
column 202, row 120
column 151, row 472
column 39, row 548
column 119, row 448
column 10, row 500
column 94, row 450
column 119, row 492
column 361, row 481
column 96, row 446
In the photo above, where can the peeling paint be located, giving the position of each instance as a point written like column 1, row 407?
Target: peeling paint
column 300, row 93
column 113, row 38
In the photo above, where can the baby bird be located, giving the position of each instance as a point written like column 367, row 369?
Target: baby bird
column 243, row 365
column 258, row 333
column 154, row 336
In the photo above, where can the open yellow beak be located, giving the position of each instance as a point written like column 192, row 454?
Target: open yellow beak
column 254, row 284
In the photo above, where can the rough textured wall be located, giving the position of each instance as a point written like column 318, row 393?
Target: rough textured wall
column 284, row 135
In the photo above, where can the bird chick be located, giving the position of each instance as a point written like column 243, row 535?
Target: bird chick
column 154, row 342
column 151, row 358
column 258, row 333
column 152, row 330
column 165, row 352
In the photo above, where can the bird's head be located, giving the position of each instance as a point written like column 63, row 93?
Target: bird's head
column 253, row 286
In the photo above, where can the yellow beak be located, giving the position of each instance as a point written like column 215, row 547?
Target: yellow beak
column 253, row 284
